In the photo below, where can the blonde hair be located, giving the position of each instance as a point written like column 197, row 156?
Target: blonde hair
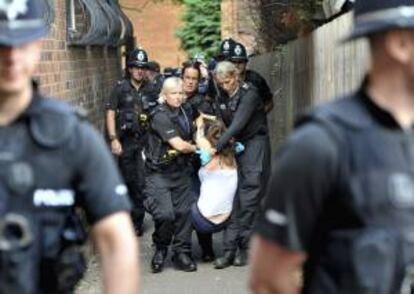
column 167, row 86
column 225, row 69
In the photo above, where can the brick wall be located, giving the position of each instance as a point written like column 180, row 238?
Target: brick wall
column 237, row 17
column 154, row 26
column 80, row 75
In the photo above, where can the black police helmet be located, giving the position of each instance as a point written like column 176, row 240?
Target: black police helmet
column 22, row 21
column 138, row 58
column 239, row 53
column 373, row 16
column 226, row 47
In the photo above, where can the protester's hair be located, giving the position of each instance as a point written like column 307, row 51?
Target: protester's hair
column 225, row 69
column 194, row 64
column 169, row 84
column 215, row 129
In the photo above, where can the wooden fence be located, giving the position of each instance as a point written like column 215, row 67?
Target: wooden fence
column 311, row 70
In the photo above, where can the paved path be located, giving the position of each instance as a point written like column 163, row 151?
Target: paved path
column 206, row 280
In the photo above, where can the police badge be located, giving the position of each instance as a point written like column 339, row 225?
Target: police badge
column 12, row 8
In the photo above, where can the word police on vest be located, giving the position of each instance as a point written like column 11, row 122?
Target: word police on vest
column 48, row 197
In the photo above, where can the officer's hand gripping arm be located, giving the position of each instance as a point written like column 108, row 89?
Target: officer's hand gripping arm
column 118, row 249
column 181, row 146
column 244, row 112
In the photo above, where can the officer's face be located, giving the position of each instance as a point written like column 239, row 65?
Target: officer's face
column 138, row 73
column 17, row 66
column 175, row 96
column 229, row 83
column 241, row 67
column 190, row 79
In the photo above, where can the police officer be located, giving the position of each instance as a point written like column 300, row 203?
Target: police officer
column 243, row 114
column 168, row 177
column 53, row 163
column 238, row 56
column 127, row 120
column 340, row 203
column 154, row 75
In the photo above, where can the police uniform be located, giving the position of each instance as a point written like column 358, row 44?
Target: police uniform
column 347, row 199
column 244, row 116
column 254, row 78
column 132, row 109
column 168, row 182
column 51, row 162
column 342, row 189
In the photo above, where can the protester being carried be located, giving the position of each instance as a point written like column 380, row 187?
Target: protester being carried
column 218, row 177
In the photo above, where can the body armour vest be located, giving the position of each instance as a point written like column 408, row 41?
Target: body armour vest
column 160, row 156
column 39, row 229
column 257, row 123
column 372, row 249
column 134, row 106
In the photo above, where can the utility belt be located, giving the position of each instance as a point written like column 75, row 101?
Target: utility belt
column 262, row 132
column 171, row 160
column 132, row 123
column 375, row 260
column 24, row 264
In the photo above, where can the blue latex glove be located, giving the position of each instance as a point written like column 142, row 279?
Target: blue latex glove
column 205, row 157
column 238, row 147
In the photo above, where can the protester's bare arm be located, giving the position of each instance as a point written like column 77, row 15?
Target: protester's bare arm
column 274, row 269
column 118, row 248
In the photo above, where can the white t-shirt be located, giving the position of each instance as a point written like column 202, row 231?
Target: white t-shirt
column 218, row 188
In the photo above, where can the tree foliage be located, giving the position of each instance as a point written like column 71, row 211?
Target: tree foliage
column 201, row 31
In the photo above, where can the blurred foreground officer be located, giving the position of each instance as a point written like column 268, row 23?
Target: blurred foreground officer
column 52, row 162
column 127, row 121
column 340, row 203
column 243, row 114
column 168, row 194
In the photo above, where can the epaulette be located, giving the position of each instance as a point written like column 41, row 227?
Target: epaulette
column 245, row 86
column 53, row 122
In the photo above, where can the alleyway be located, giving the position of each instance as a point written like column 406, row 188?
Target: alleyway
column 206, row 280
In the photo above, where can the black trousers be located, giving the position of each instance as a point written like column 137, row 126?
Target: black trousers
column 169, row 200
column 254, row 170
column 131, row 165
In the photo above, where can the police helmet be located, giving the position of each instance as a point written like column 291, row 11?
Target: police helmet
column 238, row 53
column 137, row 58
column 225, row 49
column 374, row 16
column 22, row 21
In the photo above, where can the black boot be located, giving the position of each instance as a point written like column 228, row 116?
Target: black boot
column 157, row 263
column 184, row 262
column 225, row 261
column 241, row 258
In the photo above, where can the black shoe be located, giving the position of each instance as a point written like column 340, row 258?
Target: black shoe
column 225, row 261
column 241, row 258
column 184, row 262
column 208, row 256
column 157, row 263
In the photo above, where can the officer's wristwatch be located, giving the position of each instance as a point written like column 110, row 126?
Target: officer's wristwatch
column 112, row 137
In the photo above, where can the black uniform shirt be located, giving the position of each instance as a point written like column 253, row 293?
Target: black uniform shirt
column 304, row 177
column 248, row 119
column 163, row 124
column 124, row 87
column 260, row 83
column 81, row 164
